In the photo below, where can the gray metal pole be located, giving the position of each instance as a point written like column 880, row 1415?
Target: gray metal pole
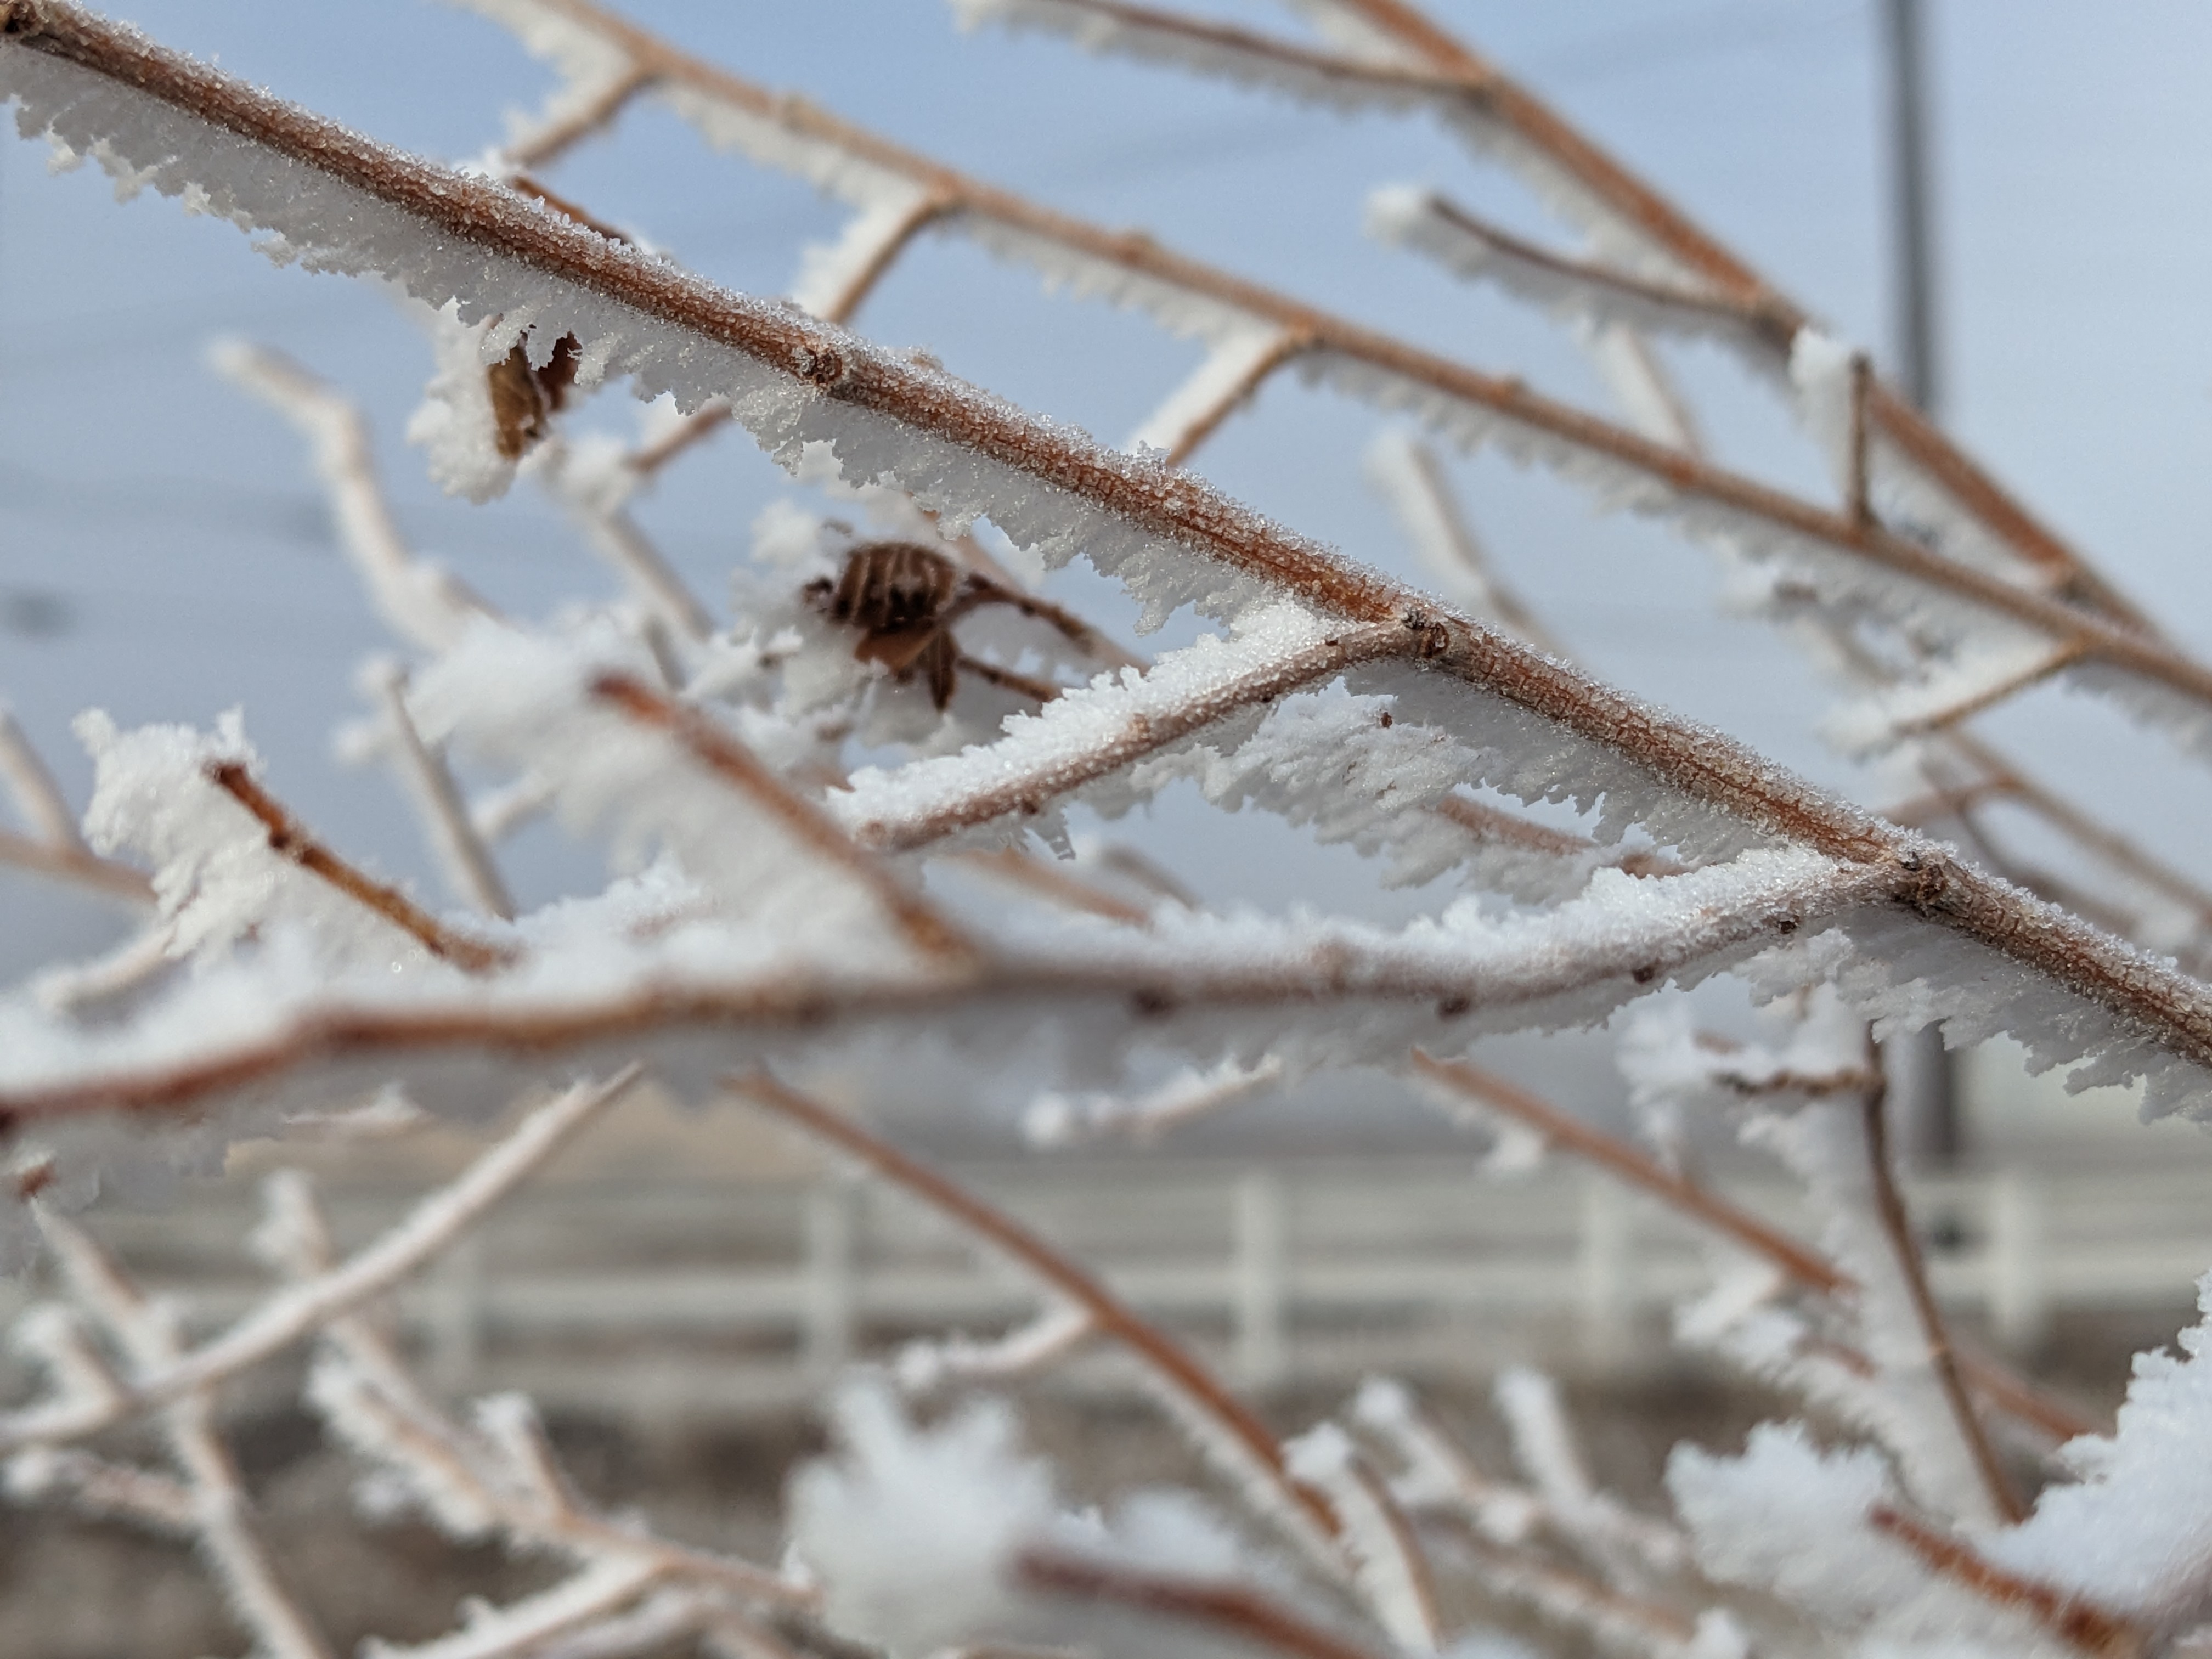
column 1924, row 1076
column 1913, row 250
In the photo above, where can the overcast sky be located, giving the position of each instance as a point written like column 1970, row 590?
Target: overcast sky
column 162, row 553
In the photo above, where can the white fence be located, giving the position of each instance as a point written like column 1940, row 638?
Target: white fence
column 669, row 1304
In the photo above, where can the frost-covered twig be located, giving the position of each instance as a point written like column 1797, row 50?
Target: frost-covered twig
column 1405, row 61
column 470, row 866
column 728, row 760
column 426, row 606
column 1236, row 1437
column 2078, row 1621
column 287, row 839
column 1904, row 1247
column 146, row 1333
column 1391, row 1572
column 1054, row 1120
column 299, row 1309
column 1799, row 1262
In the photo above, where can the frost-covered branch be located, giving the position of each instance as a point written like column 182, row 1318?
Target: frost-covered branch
column 1386, row 55
column 1228, row 1431
column 1942, row 1359
column 1799, row 1261
column 290, row 840
column 471, row 869
column 1253, row 326
column 509, row 251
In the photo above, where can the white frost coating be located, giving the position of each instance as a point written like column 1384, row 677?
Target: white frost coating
column 1981, row 671
column 1789, row 1519
column 1047, row 755
column 216, row 880
column 1405, row 215
column 1821, row 372
column 909, row 1530
column 2134, row 1533
column 1386, row 1576
column 1055, row 1119
column 1359, row 767
column 519, row 700
column 589, row 62
column 1400, row 87
column 828, row 273
column 1227, row 374
column 453, row 425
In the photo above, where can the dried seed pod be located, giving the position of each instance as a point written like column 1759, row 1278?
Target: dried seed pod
column 904, row 598
column 525, row 396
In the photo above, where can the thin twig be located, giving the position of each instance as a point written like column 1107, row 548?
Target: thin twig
column 38, row 797
column 1232, row 1608
column 2079, row 1622
column 548, row 143
column 1190, row 1382
column 1799, row 1262
column 469, row 862
column 300, row 1310
column 729, row 760
column 288, row 839
column 111, row 876
column 1904, row 1249
column 1024, row 869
